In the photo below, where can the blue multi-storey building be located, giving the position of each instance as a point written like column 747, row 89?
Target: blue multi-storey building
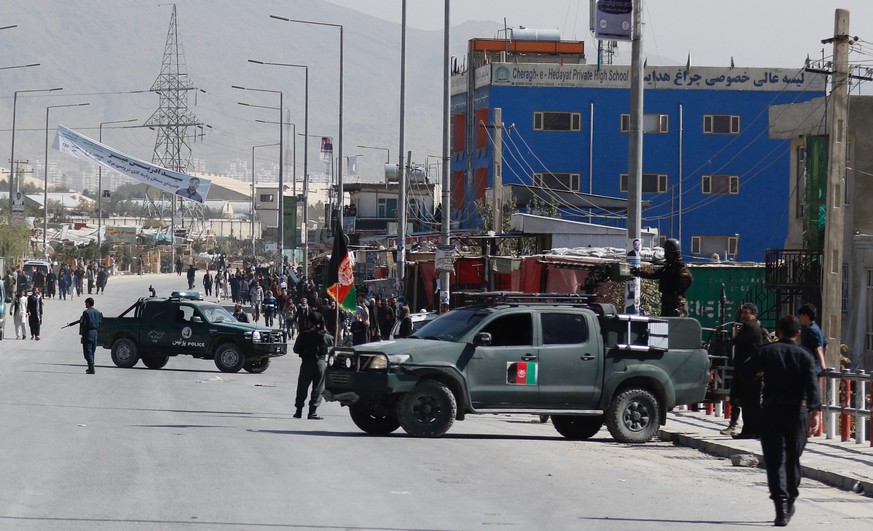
column 712, row 176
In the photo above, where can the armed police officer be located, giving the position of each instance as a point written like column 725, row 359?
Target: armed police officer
column 674, row 279
column 88, row 325
column 312, row 346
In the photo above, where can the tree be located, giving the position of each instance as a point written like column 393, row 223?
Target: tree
column 14, row 237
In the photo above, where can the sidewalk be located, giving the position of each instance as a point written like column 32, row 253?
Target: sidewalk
column 844, row 465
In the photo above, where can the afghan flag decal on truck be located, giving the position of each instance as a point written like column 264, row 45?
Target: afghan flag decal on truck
column 521, row 373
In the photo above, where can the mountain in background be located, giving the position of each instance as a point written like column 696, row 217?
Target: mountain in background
column 100, row 51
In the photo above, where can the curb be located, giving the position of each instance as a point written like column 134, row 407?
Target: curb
column 718, row 449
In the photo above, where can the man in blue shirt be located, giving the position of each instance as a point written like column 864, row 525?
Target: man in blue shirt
column 811, row 336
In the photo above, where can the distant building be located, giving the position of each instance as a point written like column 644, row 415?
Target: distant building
column 711, row 174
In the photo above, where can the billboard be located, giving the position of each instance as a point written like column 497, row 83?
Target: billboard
column 613, row 20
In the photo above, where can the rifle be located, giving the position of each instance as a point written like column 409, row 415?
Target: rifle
column 74, row 323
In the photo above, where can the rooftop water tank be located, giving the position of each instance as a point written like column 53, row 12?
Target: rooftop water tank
column 528, row 34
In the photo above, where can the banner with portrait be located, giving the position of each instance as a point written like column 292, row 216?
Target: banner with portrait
column 187, row 186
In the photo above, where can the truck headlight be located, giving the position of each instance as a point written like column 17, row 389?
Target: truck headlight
column 378, row 362
column 256, row 336
column 395, row 359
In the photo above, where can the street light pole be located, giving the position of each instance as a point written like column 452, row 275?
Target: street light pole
column 100, row 187
column 12, row 155
column 386, row 150
column 280, row 218
column 45, row 173
column 340, row 150
column 305, row 231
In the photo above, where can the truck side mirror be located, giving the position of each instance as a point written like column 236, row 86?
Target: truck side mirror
column 482, row 339
column 196, row 319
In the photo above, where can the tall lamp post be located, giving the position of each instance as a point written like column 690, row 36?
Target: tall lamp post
column 45, row 172
column 12, row 155
column 304, row 238
column 100, row 186
column 253, row 191
column 386, row 150
column 340, row 139
column 280, row 220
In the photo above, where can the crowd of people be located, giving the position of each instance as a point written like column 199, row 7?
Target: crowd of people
column 60, row 281
column 285, row 300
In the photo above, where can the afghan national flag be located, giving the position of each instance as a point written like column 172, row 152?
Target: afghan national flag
column 521, row 372
column 340, row 279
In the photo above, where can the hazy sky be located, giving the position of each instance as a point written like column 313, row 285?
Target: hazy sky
column 754, row 32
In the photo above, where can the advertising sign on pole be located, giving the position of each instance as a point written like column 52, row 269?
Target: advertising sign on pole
column 613, row 20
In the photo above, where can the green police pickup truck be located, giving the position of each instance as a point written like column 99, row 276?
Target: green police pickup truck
column 184, row 324
column 582, row 364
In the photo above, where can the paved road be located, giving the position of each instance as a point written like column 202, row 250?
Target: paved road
column 188, row 447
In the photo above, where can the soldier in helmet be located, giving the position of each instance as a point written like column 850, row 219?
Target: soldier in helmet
column 674, row 279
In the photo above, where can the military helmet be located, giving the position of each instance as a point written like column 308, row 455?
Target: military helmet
column 672, row 246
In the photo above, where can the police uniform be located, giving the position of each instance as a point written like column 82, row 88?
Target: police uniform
column 790, row 393
column 673, row 280
column 311, row 345
column 88, row 325
column 747, row 394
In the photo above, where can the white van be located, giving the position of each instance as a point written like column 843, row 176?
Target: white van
column 30, row 267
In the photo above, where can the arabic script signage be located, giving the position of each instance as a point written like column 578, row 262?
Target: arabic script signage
column 656, row 77
column 79, row 146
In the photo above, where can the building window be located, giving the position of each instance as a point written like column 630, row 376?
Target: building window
column 557, row 121
column 844, row 295
column 387, row 207
column 710, row 245
column 653, row 183
column 266, row 198
column 557, row 181
column 458, row 128
column 869, row 342
column 721, row 124
column 652, row 123
column 720, row 184
column 482, row 134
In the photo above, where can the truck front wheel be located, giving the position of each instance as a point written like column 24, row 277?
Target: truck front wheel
column 372, row 422
column 124, row 353
column 633, row 416
column 229, row 358
column 577, row 427
column 257, row 366
column 155, row 361
column 428, row 410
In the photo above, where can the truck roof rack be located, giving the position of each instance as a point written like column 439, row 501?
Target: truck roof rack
column 516, row 297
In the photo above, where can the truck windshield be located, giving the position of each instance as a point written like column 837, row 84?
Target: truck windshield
column 451, row 326
column 217, row 314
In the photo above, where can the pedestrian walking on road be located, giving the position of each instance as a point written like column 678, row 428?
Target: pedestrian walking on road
column 192, row 272
column 746, row 396
column 19, row 312
column 34, row 313
column 88, row 325
column 312, row 346
column 791, row 399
